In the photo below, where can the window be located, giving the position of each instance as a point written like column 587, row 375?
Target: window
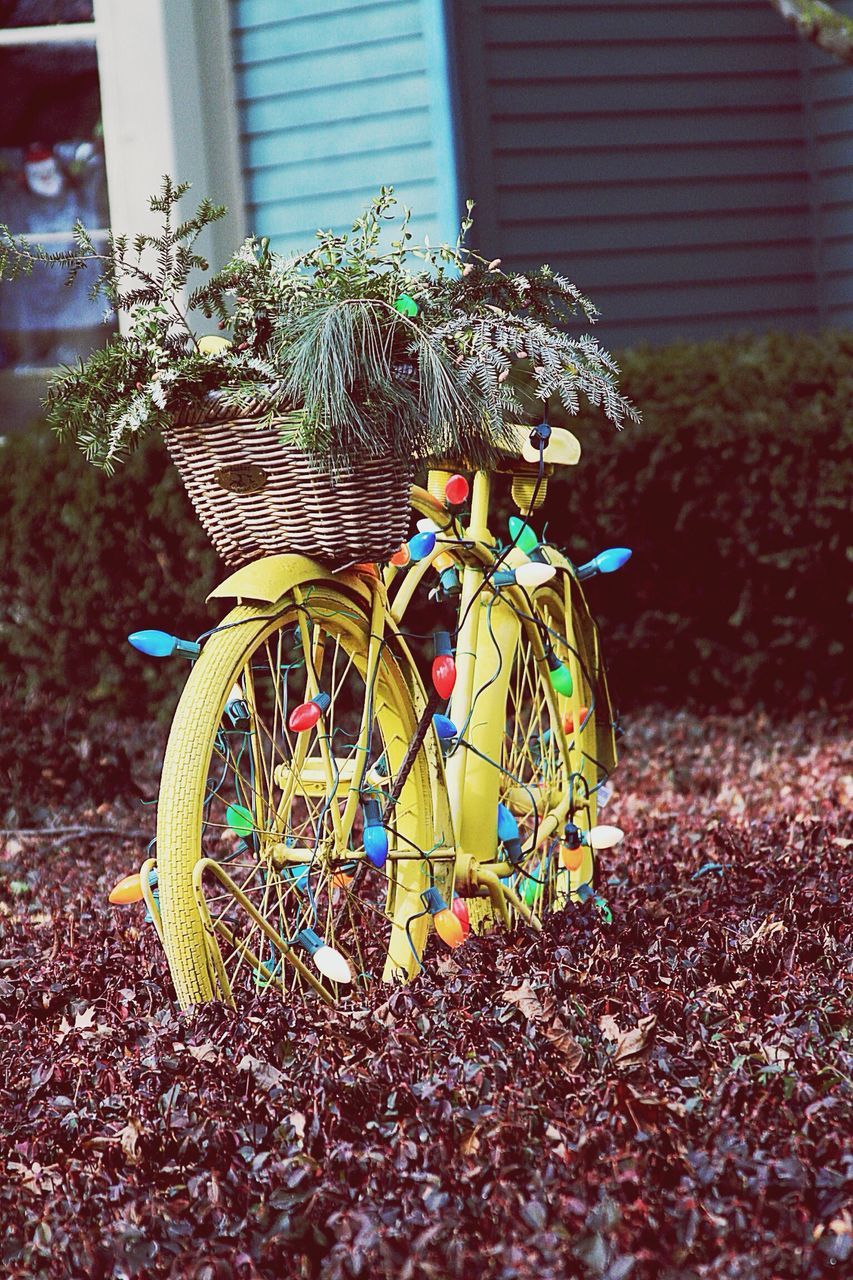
column 101, row 98
column 52, row 172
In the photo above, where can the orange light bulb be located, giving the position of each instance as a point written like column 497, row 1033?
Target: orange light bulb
column 402, row 556
column 340, row 880
column 571, row 858
column 448, row 927
column 127, row 890
column 569, row 722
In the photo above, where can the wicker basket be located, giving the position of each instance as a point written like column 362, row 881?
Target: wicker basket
column 256, row 495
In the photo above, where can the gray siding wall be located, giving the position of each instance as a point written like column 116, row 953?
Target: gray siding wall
column 687, row 164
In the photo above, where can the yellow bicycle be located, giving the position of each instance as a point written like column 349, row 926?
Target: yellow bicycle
column 323, row 806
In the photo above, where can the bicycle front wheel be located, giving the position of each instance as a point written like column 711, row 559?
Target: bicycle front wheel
column 264, row 852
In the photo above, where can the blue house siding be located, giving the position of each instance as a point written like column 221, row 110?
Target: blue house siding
column 686, row 164
column 337, row 98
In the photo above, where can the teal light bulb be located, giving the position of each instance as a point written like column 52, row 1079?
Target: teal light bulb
column 522, row 535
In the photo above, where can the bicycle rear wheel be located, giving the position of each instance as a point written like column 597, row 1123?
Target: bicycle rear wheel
column 261, row 829
column 557, row 748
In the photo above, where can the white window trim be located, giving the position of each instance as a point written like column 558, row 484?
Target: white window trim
column 168, row 99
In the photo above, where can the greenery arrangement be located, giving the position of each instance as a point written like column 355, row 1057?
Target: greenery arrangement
column 416, row 350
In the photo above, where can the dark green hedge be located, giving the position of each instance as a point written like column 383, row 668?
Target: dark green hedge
column 87, row 559
column 732, row 493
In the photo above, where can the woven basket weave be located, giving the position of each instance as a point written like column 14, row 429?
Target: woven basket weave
column 256, row 495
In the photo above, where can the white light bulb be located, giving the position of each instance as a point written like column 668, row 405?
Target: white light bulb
column 332, row 965
column 603, row 794
column 604, row 837
column 534, row 574
column 236, row 695
column 428, row 526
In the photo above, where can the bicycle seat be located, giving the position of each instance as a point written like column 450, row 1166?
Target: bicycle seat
column 562, row 449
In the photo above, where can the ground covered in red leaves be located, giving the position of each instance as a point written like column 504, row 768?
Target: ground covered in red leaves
column 666, row 1096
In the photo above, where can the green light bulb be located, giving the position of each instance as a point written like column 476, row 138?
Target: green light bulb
column 559, row 675
column 406, row 305
column 522, row 535
column 239, row 819
column 532, row 888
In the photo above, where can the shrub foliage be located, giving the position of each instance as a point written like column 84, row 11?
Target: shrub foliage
column 732, row 493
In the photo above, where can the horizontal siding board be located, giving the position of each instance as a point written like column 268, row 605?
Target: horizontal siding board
column 836, row 153
column 554, row 97
column 614, row 60
column 349, row 173
column 621, row 165
column 838, row 289
column 836, row 188
column 837, row 253
column 278, row 13
column 607, row 235
column 328, row 32
column 644, row 128
column 836, row 221
column 581, row 24
column 336, row 102
column 722, row 297
column 680, row 268
column 521, row 8
column 656, row 197
column 293, row 225
column 327, row 139
column 661, row 330
column 362, row 63
column 298, row 239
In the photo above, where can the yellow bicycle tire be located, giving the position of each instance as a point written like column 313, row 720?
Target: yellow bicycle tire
column 187, row 761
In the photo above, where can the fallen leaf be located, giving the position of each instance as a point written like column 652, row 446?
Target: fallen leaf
column 633, row 1045
column 265, row 1074
column 129, row 1137
column 203, row 1052
column 561, row 1038
column 609, row 1027
column 526, row 999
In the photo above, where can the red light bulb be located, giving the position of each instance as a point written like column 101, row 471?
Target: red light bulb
column 569, row 721
column 306, row 715
column 444, row 674
column 456, row 491
column 459, row 907
column 443, row 665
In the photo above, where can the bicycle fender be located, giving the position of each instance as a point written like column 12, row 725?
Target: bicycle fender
column 268, row 579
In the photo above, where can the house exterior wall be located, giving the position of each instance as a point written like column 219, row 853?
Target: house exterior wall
column 337, row 98
column 685, row 163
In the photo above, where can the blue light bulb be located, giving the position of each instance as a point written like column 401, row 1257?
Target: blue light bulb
column 444, row 727
column 605, row 562
column 508, row 834
column 507, row 825
column 298, row 876
column 374, row 836
column 421, row 545
column 159, row 644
